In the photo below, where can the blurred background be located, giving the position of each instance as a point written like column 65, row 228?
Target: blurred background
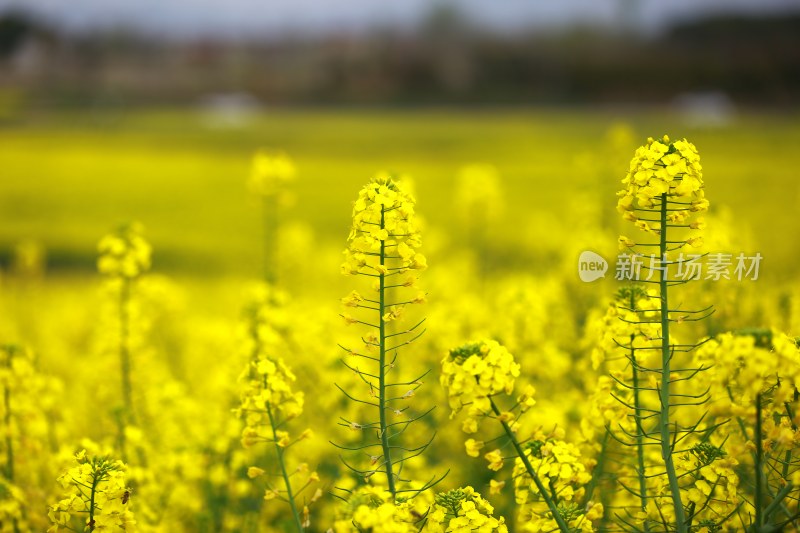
column 151, row 110
column 249, row 53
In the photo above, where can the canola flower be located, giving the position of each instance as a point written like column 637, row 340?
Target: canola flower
column 562, row 471
column 662, row 172
column 376, row 510
column 479, row 202
column 271, row 173
column 124, row 256
column 27, row 401
column 662, row 190
column 739, row 469
column 474, row 375
column 98, row 497
column 629, row 333
column 15, row 370
column 463, row 510
column 754, row 382
column 268, row 400
column 383, row 246
column 12, row 508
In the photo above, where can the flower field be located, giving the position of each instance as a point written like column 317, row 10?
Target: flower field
column 377, row 321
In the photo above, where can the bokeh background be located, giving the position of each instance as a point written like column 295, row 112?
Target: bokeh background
column 150, row 110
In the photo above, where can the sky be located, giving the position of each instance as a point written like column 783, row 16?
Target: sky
column 282, row 17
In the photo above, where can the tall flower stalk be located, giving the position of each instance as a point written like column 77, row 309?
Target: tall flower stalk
column 124, row 256
column 268, row 403
column 663, row 190
column 7, row 376
column 269, row 175
column 383, row 247
column 549, row 477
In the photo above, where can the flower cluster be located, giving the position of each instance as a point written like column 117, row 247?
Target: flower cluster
column 124, row 254
column 462, row 511
column 12, row 508
column 561, row 469
column 383, row 246
column 266, row 383
column 746, row 368
column 268, row 401
column 630, row 322
column 479, row 194
column 663, row 171
column 373, row 509
column 713, row 490
column 27, row 404
column 473, row 373
column 384, row 229
column 98, row 495
column 270, row 172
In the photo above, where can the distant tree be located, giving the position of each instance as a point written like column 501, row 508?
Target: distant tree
column 15, row 27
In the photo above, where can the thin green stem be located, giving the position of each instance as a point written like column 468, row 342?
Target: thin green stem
column 666, row 357
column 95, row 480
column 7, row 422
column 598, row 471
column 9, row 440
column 759, row 467
column 269, row 220
column 124, row 346
column 551, row 504
column 639, row 432
column 382, row 370
column 290, row 496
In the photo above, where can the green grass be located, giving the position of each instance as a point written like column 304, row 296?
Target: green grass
column 67, row 179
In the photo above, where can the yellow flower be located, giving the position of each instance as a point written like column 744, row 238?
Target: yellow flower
column 383, row 219
column 254, row 472
column 495, row 459
column 473, row 447
column 473, row 373
column 108, row 502
column 283, row 438
column 662, row 171
column 124, row 253
column 496, row 486
column 270, row 172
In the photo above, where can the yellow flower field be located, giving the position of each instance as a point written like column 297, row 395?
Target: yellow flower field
column 376, row 321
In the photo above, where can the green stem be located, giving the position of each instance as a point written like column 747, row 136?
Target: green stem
column 666, row 357
column 637, row 415
column 551, row 504
column 95, row 480
column 269, row 221
column 9, row 441
column 298, row 524
column 598, row 471
column 7, row 422
column 759, row 467
column 382, row 370
column 124, row 348
column 639, row 434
